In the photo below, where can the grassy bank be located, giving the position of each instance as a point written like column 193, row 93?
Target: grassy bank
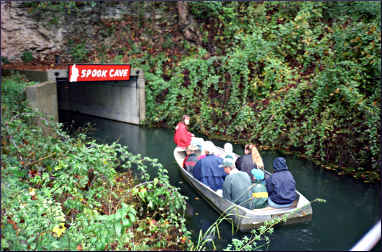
column 64, row 193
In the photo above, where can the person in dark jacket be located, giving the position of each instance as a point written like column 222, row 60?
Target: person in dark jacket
column 207, row 170
column 245, row 163
column 281, row 185
column 191, row 158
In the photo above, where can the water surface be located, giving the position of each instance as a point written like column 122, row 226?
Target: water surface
column 351, row 208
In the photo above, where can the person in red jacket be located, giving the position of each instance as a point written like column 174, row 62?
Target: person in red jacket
column 182, row 136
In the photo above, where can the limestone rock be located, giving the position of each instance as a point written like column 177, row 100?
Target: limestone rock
column 20, row 33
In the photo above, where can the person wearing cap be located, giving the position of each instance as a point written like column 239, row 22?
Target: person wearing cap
column 259, row 192
column 281, row 185
column 191, row 158
column 182, row 137
column 237, row 184
column 207, row 170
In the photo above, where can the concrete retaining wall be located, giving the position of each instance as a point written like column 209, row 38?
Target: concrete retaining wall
column 43, row 97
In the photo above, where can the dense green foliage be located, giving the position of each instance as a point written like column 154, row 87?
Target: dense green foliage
column 63, row 192
column 293, row 76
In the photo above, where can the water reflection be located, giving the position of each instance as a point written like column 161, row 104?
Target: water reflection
column 350, row 211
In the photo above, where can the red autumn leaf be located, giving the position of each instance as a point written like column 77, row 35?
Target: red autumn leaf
column 13, row 223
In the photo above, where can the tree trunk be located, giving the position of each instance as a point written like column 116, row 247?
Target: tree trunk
column 188, row 26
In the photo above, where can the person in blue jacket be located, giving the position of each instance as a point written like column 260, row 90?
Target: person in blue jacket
column 281, row 185
column 207, row 170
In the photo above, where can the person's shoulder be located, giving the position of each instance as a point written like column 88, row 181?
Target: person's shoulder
column 242, row 173
column 213, row 156
column 178, row 126
column 229, row 177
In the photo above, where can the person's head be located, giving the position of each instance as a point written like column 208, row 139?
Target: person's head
column 228, row 164
column 228, row 148
column 186, row 119
column 247, row 149
column 191, row 149
column 208, row 147
column 279, row 164
column 258, row 174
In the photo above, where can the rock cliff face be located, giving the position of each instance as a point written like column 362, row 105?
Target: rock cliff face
column 46, row 32
column 21, row 33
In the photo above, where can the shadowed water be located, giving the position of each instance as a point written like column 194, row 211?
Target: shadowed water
column 351, row 208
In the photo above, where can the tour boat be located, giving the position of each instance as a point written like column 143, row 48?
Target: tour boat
column 243, row 218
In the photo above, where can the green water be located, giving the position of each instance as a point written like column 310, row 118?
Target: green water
column 351, row 208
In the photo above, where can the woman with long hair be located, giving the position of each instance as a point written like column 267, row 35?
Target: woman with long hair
column 256, row 158
column 250, row 160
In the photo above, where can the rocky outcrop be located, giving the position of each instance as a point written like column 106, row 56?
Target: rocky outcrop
column 20, row 33
column 46, row 32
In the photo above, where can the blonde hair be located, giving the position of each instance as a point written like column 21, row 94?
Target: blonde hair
column 256, row 158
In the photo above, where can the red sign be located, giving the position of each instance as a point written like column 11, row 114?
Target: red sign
column 82, row 72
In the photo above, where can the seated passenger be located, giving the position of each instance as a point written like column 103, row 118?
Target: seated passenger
column 191, row 158
column 228, row 150
column 182, row 137
column 237, row 184
column 245, row 163
column 259, row 191
column 281, row 185
column 202, row 150
column 250, row 160
column 256, row 158
column 207, row 170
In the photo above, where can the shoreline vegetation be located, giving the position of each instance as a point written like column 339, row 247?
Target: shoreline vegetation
column 295, row 77
column 64, row 192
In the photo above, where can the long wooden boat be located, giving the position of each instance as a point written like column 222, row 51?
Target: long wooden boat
column 243, row 218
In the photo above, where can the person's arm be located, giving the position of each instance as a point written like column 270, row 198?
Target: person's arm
column 269, row 184
column 227, row 189
column 197, row 171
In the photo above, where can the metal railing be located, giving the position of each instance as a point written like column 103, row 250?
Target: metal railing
column 369, row 240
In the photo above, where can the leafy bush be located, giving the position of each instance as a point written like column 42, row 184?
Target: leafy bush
column 292, row 76
column 27, row 56
column 62, row 192
column 79, row 52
